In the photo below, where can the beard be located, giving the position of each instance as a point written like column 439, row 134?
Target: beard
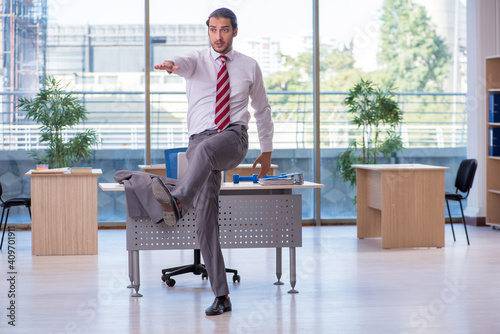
column 225, row 48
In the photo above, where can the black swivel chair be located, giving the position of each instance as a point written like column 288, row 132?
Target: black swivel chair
column 463, row 183
column 6, row 205
column 196, row 268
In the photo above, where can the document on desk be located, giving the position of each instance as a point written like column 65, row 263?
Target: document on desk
column 283, row 179
column 64, row 170
column 277, row 182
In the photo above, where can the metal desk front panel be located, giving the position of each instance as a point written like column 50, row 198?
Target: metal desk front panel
column 245, row 221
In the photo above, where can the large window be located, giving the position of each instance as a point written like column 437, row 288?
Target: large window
column 97, row 49
column 384, row 43
column 263, row 35
column 94, row 48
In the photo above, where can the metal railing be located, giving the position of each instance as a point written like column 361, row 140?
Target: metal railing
column 434, row 120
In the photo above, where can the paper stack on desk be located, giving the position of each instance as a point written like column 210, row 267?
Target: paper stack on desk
column 283, row 179
column 64, row 170
column 276, row 181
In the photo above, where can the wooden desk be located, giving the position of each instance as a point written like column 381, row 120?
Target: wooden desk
column 64, row 213
column 154, row 169
column 242, row 170
column 252, row 216
column 403, row 204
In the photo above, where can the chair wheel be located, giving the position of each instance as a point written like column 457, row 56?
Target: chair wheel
column 170, row 282
column 164, row 278
column 236, row 278
column 204, row 276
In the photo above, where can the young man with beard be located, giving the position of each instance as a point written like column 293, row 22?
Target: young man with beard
column 219, row 83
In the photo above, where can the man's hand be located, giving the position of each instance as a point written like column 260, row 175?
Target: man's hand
column 265, row 163
column 167, row 65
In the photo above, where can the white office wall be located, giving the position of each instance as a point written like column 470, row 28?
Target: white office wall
column 483, row 37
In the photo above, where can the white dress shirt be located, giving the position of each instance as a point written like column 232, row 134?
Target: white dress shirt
column 200, row 69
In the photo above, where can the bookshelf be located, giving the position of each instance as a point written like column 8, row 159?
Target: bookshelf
column 492, row 162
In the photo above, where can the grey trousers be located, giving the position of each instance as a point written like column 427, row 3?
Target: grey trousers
column 208, row 154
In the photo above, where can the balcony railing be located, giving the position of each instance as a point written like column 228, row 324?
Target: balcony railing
column 431, row 120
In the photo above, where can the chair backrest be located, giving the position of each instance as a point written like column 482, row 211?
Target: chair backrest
column 171, row 161
column 465, row 175
column 182, row 164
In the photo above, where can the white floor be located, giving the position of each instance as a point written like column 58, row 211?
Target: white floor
column 345, row 285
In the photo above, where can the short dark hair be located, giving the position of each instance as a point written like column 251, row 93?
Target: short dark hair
column 226, row 14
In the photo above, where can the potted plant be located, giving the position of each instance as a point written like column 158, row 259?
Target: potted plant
column 57, row 111
column 378, row 115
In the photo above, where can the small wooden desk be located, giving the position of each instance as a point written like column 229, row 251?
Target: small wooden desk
column 64, row 213
column 403, row 204
column 242, row 170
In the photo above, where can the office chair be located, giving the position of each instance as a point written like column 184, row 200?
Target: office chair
column 197, row 268
column 6, row 205
column 463, row 183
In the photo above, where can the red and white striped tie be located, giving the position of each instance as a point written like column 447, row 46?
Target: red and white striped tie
column 222, row 97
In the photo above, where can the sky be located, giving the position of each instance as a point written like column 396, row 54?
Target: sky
column 285, row 20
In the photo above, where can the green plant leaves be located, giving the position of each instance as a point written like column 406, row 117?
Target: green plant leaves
column 378, row 115
column 56, row 111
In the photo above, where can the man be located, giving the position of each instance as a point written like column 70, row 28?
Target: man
column 219, row 83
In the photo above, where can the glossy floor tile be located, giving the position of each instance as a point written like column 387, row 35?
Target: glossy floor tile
column 345, row 285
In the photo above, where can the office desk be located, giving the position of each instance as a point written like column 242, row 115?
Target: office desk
column 242, row 170
column 64, row 213
column 251, row 216
column 403, row 204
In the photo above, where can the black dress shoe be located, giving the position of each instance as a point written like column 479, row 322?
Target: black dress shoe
column 219, row 307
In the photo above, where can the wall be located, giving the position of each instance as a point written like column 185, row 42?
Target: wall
column 483, row 30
